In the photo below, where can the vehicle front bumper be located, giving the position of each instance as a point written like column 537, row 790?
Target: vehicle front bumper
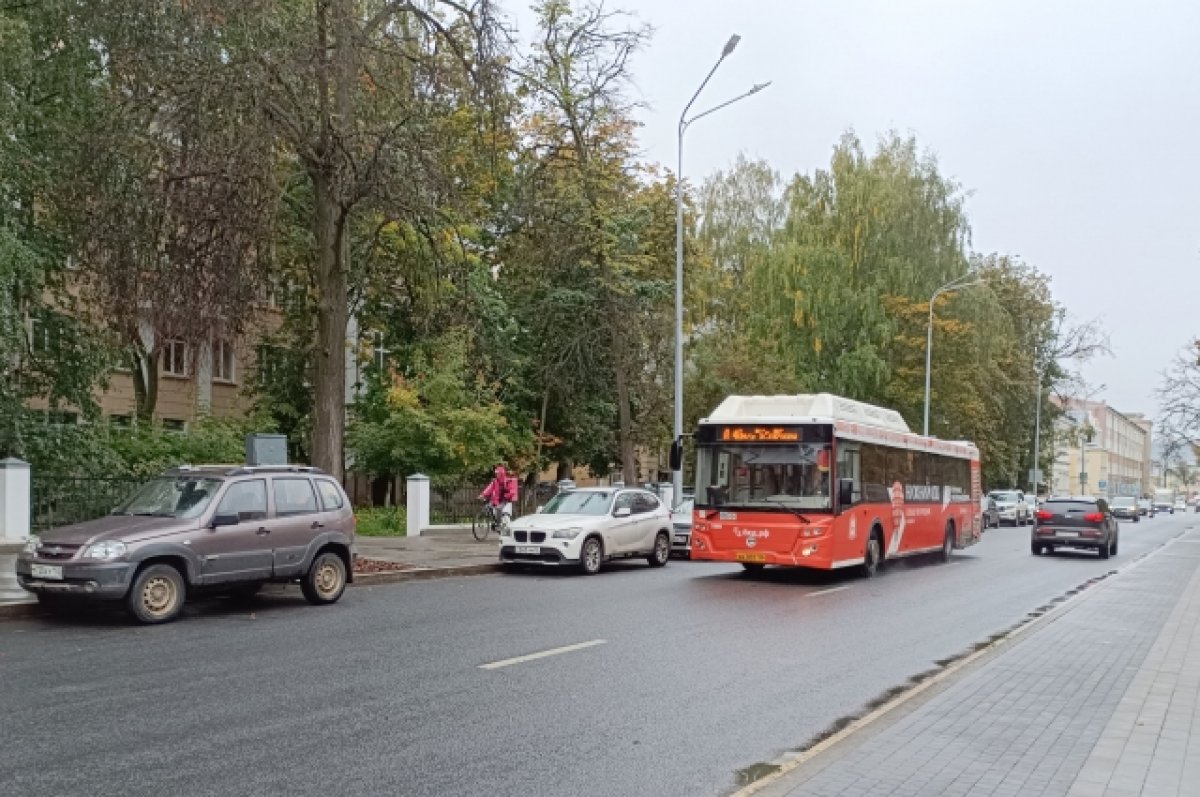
column 102, row 580
column 1009, row 513
column 681, row 539
column 547, row 555
column 1126, row 514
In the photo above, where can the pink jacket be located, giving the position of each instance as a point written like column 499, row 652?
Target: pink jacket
column 500, row 490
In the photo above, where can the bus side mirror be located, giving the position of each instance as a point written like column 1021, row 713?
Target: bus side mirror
column 845, row 492
column 677, row 454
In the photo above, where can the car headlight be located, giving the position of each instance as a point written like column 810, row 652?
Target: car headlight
column 31, row 544
column 109, row 549
column 567, row 534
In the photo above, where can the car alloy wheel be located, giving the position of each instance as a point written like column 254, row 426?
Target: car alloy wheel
column 591, row 557
column 662, row 550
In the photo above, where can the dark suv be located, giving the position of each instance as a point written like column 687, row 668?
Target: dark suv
column 1075, row 523
column 213, row 528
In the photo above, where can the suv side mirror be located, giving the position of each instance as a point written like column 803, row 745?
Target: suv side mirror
column 622, row 511
column 845, row 492
column 227, row 519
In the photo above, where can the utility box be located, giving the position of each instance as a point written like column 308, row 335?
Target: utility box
column 266, row 449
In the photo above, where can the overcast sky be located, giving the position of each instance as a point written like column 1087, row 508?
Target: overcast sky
column 1074, row 125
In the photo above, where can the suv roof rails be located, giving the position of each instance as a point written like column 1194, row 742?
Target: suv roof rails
column 242, row 470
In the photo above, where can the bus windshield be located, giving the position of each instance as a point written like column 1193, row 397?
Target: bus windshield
column 768, row 476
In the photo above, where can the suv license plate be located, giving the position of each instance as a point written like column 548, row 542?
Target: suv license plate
column 529, row 549
column 681, row 539
column 52, row 572
column 1068, row 534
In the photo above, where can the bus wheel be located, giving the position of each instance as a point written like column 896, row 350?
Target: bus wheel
column 753, row 568
column 872, row 555
column 948, row 544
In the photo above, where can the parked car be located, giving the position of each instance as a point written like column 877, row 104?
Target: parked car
column 1145, row 507
column 194, row 530
column 1125, row 508
column 1180, row 505
column 991, row 513
column 681, row 527
column 1012, row 505
column 1075, row 522
column 587, row 527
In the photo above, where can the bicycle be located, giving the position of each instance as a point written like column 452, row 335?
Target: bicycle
column 488, row 519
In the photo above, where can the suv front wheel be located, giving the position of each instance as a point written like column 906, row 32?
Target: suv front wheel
column 157, row 594
column 325, row 580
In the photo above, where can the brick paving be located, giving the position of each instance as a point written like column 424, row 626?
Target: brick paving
column 1100, row 699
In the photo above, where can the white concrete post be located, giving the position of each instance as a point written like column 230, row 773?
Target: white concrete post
column 418, row 503
column 666, row 491
column 16, row 499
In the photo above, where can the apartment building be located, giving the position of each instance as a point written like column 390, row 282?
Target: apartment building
column 1101, row 451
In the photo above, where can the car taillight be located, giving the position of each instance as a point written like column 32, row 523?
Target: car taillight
column 1094, row 517
column 1042, row 514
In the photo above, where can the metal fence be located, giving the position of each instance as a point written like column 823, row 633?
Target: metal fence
column 62, row 500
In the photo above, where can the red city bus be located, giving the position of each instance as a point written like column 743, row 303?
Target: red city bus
column 825, row 482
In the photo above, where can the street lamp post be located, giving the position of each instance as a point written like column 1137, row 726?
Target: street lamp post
column 684, row 122
column 953, row 285
column 1037, row 431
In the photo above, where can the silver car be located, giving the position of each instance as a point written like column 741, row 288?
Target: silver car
column 681, row 527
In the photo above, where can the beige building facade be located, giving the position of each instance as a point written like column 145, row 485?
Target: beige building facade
column 1101, row 451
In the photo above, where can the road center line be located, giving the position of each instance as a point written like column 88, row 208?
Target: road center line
column 495, row 665
column 827, row 591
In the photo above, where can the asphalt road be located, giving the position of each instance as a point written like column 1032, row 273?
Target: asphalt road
column 701, row 672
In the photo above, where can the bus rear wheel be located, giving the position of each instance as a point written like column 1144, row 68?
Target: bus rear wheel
column 872, row 556
column 948, row 543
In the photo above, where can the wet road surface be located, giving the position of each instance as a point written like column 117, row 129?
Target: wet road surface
column 634, row 682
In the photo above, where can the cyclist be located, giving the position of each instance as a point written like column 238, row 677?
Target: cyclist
column 500, row 494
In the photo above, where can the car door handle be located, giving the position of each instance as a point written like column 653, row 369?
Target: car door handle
column 316, row 524
column 262, row 530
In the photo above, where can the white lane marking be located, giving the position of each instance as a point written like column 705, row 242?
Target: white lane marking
column 827, row 591
column 495, row 665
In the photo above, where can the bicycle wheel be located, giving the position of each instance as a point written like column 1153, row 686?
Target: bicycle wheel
column 481, row 524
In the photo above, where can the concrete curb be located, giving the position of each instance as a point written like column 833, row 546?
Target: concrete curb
column 423, row 574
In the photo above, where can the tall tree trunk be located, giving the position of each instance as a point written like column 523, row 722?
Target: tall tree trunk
column 330, row 175
column 329, row 401
column 145, row 384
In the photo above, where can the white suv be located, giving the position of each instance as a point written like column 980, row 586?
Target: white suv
column 587, row 527
column 1013, row 507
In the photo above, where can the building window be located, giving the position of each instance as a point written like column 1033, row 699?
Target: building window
column 223, row 361
column 379, row 352
column 174, row 425
column 120, row 421
column 43, row 336
column 174, row 358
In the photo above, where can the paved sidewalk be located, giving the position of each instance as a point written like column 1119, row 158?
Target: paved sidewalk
column 448, row 546
column 1101, row 698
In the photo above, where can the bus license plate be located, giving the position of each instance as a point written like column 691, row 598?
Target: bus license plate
column 751, row 557
column 529, row 549
column 51, row 572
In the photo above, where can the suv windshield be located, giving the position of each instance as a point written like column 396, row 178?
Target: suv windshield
column 184, row 497
column 1003, row 495
column 578, row 503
